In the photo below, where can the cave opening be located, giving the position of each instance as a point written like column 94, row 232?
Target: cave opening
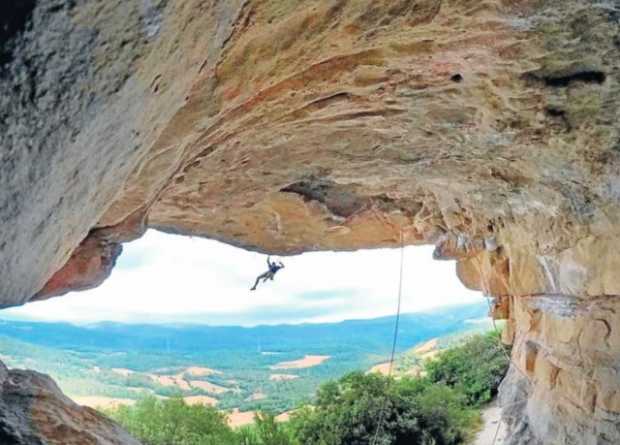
column 177, row 317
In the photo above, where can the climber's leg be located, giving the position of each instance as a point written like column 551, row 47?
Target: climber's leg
column 263, row 277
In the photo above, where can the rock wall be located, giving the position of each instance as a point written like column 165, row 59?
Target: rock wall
column 33, row 411
column 488, row 128
column 563, row 387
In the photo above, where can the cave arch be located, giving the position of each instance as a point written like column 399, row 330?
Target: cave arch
column 285, row 126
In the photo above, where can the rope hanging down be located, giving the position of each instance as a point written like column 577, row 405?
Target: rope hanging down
column 395, row 339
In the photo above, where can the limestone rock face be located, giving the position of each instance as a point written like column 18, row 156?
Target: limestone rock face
column 33, row 411
column 488, row 128
column 563, row 387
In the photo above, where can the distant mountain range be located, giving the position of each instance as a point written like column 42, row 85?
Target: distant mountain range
column 152, row 359
column 368, row 334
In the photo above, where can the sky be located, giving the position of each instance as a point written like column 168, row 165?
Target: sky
column 178, row 279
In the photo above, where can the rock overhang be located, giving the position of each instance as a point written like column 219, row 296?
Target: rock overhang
column 486, row 128
column 337, row 125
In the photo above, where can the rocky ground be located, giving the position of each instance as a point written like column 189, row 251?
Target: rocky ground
column 33, row 411
column 493, row 430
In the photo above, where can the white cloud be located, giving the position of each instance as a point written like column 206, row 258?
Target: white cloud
column 164, row 277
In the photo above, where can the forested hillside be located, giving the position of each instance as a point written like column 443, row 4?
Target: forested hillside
column 266, row 367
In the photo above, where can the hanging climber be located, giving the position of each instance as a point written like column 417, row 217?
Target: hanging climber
column 273, row 269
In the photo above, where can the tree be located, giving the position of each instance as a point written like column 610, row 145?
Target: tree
column 475, row 368
column 173, row 422
column 267, row 431
column 399, row 412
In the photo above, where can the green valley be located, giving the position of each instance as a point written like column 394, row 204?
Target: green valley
column 274, row 368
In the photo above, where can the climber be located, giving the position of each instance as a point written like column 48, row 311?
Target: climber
column 273, row 269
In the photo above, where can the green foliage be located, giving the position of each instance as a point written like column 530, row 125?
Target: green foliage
column 82, row 358
column 440, row 409
column 448, row 420
column 173, row 422
column 411, row 411
column 347, row 412
column 267, row 431
column 474, row 368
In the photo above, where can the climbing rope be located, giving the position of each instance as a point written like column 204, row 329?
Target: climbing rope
column 395, row 338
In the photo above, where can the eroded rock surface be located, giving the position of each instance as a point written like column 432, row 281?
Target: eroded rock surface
column 489, row 128
column 33, row 411
column 565, row 367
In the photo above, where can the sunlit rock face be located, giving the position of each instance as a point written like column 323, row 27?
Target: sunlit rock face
column 488, row 128
column 563, row 387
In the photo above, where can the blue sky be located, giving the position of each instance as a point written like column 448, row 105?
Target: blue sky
column 169, row 278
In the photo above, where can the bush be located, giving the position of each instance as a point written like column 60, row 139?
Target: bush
column 173, row 422
column 439, row 409
column 413, row 411
column 475, row 368
column 267, row 431
column 446, row 417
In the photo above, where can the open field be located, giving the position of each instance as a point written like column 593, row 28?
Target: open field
column 200, row 400
column 267, row 367
column 308, row 361
column 282, row 377
column 238, row 419
column 102, row 402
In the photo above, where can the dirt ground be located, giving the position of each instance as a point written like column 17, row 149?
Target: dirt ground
column 491, row 419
